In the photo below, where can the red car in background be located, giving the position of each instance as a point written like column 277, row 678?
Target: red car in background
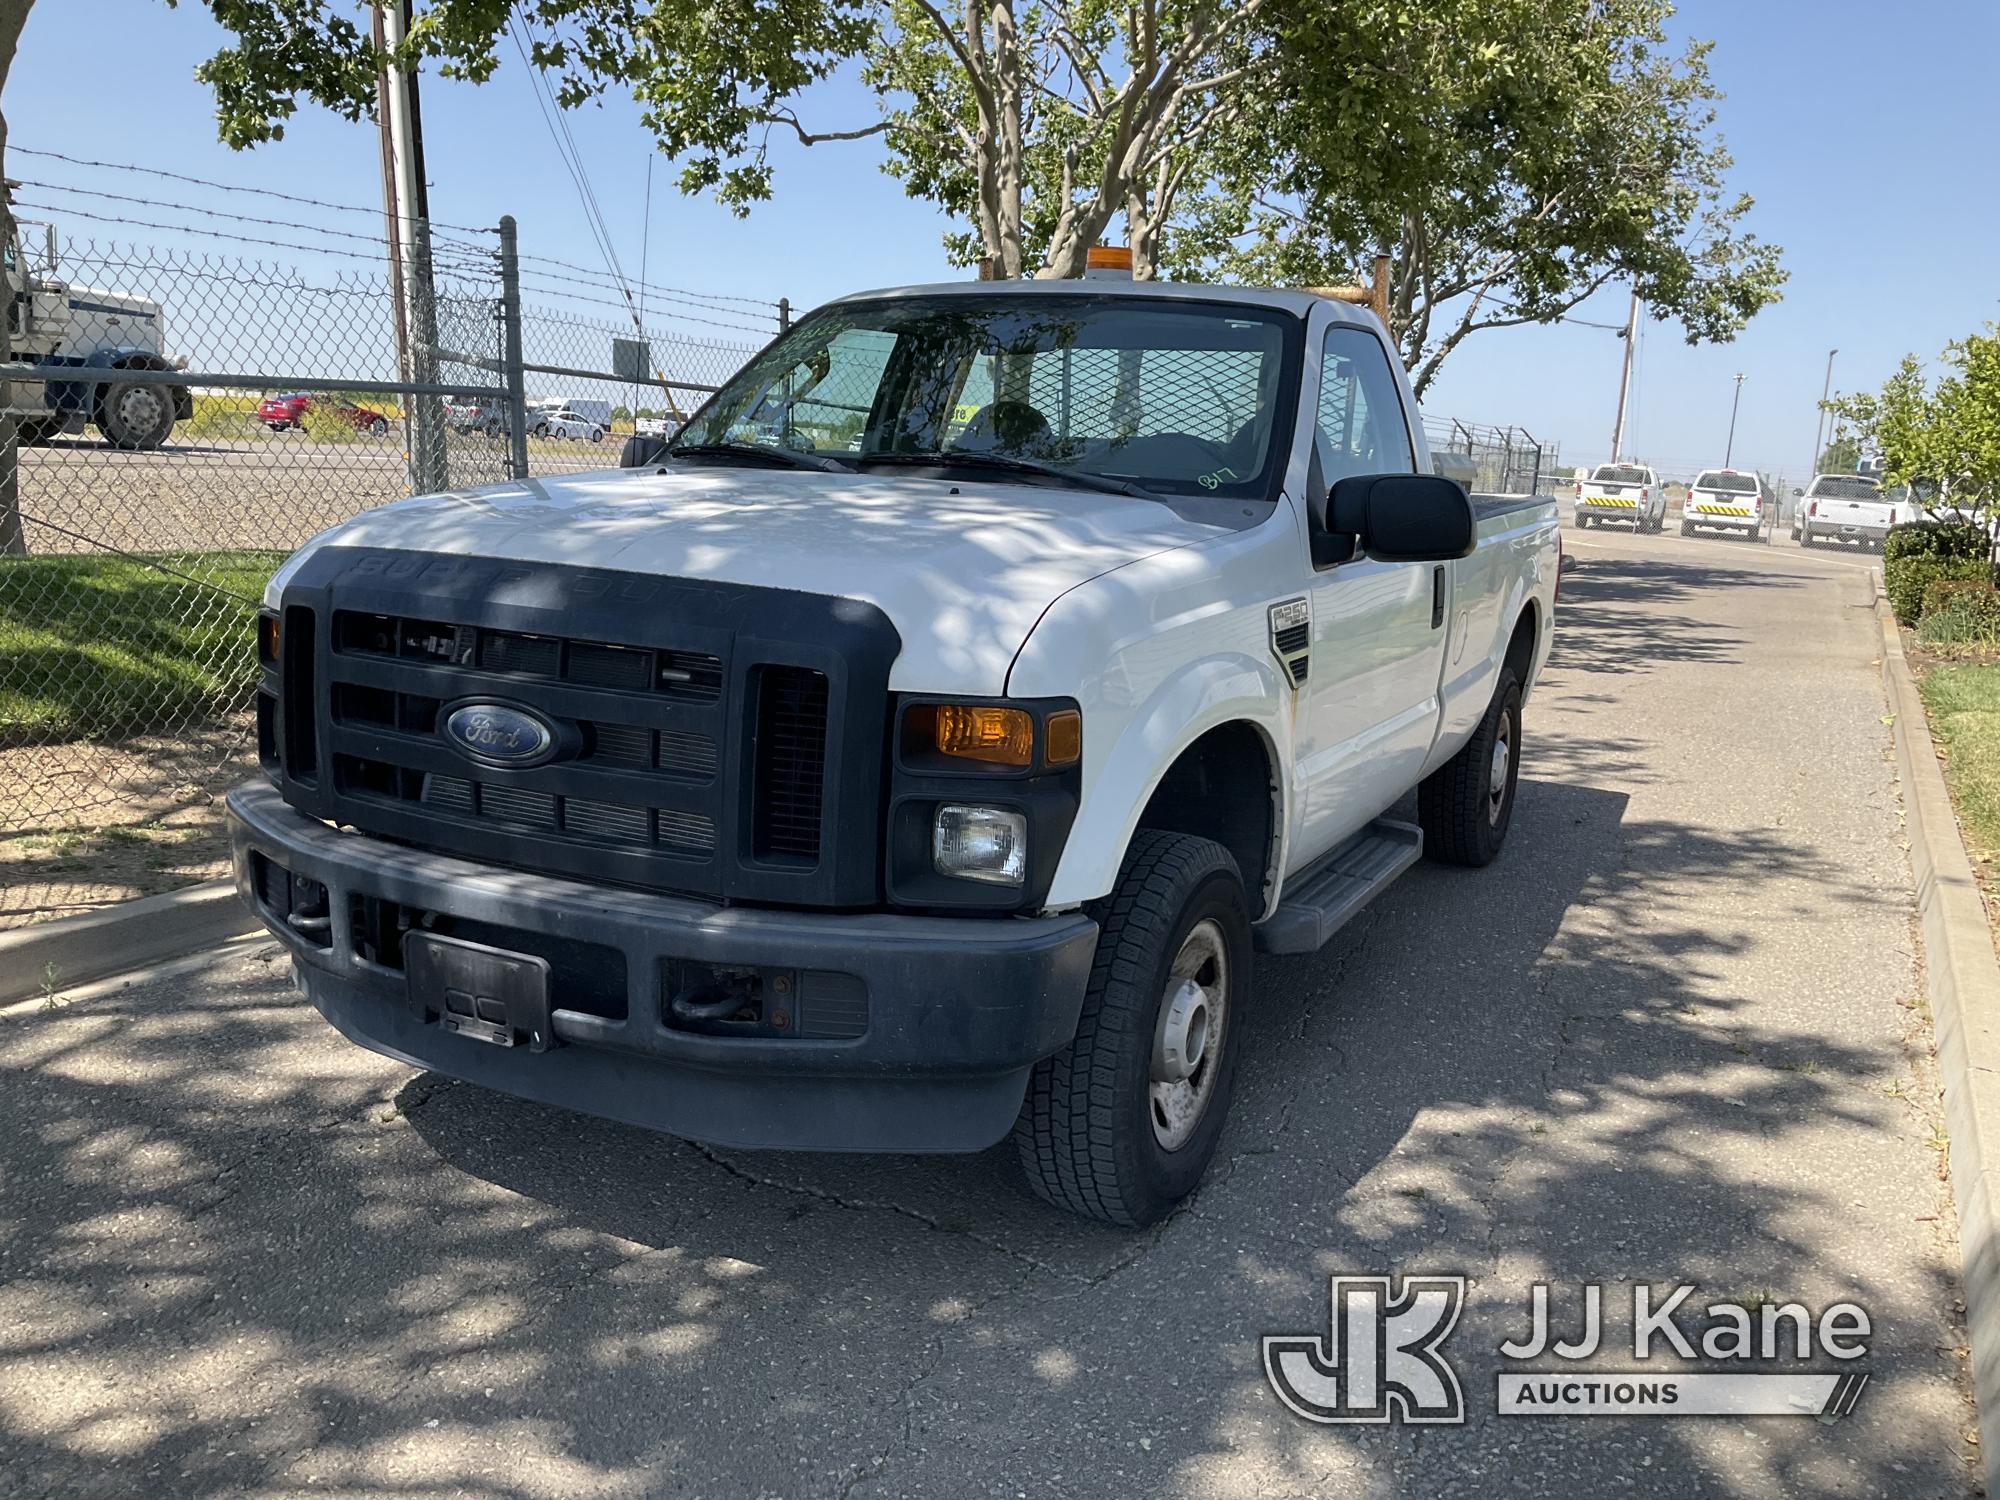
column 282, row 413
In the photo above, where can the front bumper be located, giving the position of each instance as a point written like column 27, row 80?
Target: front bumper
column 946, row 1015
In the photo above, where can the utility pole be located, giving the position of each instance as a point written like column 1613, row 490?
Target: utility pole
column 1819, row 428
column 391, row 214
column 1625, row 379
column 411, row 246
column 1729, row 448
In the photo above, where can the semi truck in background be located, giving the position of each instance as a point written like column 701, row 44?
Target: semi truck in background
column 53, row 321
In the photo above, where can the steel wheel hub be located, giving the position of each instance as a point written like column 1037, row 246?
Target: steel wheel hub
column 139, row 408
column 1187, row 1041
column 1503, row 756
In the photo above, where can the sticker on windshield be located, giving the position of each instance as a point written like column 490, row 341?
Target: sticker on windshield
column 1218, row 478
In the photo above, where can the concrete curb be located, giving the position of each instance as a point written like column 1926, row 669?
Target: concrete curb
column 121, row 937
column 1963, row 976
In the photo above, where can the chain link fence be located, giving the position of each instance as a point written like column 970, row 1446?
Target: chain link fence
column 1507, row 460
column 184, row 420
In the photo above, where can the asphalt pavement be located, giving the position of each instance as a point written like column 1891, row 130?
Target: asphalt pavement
column 1675, row 1034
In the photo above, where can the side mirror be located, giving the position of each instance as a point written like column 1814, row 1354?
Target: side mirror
column 643, row 452
column 1797, row 493
column 1402, row 517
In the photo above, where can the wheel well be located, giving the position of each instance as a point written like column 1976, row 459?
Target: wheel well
column 126, row 362
column 1223, row 787
column 1521, row 649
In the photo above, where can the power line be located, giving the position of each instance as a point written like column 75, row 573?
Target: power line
column 345, row 208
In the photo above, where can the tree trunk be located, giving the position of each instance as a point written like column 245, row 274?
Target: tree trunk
column 13, row 541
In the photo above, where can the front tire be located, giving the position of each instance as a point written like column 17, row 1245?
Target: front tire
column 1466, row 804
column 135, row 416
column 1121, row 1124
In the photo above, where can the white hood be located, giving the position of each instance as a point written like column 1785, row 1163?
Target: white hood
column 963, row 570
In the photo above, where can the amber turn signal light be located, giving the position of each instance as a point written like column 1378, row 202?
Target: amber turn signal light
column 1062, row 738
column 269, row 637
column 997, row 736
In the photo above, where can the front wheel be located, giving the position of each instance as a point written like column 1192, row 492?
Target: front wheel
column 597, row 434
column 1466, row 804
column 378, row 426
column 135, row 416
column 1121, row 1124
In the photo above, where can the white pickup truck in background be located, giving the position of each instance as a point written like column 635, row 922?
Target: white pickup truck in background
column 1627, row 493
column 1845, row 508
column 920, row 748
column 1725, row 500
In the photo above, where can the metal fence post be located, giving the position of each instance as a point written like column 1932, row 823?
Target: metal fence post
column 784, row 314
column 510, row 355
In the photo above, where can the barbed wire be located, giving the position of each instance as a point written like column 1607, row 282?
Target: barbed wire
column 225, row 187
column 650, row 286
column 544, row 278
column 764, row 331
column 215, row 234
column 382, row 241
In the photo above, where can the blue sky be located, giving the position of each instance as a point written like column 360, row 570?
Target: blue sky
column 1865, row 133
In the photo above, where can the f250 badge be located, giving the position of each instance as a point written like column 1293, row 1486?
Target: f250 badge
column 496, row 732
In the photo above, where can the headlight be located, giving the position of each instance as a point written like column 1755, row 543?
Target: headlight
column 980, row 843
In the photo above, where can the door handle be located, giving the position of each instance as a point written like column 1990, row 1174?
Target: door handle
column 1437, row 596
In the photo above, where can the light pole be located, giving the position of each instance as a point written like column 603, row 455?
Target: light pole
column 1729, row 448
column 1826, row 390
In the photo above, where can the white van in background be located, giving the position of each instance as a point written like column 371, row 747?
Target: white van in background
column 1725, row 500
column 1622, row 492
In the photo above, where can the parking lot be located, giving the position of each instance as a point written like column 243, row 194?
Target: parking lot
column 1674, row 1034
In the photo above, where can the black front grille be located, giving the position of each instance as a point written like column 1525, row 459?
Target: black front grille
column 709, row 737
column 400, row 763
column 791, row 762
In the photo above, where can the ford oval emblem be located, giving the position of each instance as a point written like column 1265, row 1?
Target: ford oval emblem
column 496, row 732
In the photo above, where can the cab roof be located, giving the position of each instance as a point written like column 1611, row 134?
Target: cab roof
column 1295, row 300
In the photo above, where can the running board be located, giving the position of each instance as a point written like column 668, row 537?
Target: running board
column 1325, row 898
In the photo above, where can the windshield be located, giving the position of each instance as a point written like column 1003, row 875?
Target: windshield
column 1715, row 479
column 1839, row 487
column 1620, row 474
column 1179, row 398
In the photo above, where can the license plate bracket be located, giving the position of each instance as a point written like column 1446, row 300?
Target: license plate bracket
column 488, row 994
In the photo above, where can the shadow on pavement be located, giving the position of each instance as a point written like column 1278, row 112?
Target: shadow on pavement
column 240, row 1256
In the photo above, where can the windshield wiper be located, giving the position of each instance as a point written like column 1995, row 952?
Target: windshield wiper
column 963, row 459
column 791, row 458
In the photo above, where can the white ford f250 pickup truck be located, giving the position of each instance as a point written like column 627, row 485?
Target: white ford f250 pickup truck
column 920, row 748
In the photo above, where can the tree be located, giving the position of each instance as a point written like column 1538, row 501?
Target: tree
column 1101, row 107
column 1943, row 437
column 1840, row 456
column 1512, row 156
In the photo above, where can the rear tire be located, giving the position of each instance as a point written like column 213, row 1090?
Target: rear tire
column 1687, row 528
column 1107, row 1129
column 1466, row 804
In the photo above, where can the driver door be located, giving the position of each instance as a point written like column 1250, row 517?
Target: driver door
column 1378, row 628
